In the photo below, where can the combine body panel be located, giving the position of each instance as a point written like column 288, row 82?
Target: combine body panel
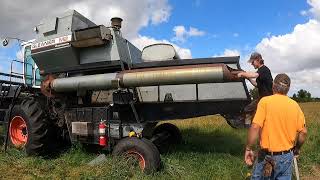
column 91, row 85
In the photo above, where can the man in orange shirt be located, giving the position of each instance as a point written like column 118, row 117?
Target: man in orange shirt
column 281, row 125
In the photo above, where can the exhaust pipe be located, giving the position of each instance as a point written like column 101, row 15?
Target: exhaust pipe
column 190, row 74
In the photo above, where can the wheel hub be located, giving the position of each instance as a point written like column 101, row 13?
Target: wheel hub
column 18, row 131
column 137, row 156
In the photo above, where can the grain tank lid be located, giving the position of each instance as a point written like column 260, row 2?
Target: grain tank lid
column 159, row 52
column 63, row 24
column 70, row 13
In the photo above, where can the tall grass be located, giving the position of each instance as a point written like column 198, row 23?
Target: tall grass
column 210, row 150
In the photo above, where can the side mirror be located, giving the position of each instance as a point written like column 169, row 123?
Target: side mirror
column 5, row 42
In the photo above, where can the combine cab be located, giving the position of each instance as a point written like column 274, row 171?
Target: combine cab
column 86, row 83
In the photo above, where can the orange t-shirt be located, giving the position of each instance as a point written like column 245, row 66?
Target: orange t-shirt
column 280, row 119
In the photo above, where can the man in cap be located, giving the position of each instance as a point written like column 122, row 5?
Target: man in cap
column 280, row 125
column 262, row 79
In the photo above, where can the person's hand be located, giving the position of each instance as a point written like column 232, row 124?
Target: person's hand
column 240, row 74
column 249, row 157
column 296, row 152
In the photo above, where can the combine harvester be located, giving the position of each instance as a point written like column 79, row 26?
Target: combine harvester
column 87, row 84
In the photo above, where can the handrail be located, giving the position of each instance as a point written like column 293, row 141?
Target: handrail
column 8, row 75
column 12, row 73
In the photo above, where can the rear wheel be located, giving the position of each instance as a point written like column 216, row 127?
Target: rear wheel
column 29, row 128
column 18, row 131
column 235, row 121
column 165, row 135
column 142, row 151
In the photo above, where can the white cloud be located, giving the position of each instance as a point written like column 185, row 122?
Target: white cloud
column 181, row 33
column 304, row 13
column 228, row 53
column 295, row 51
column 142, row 41
column 315, row 8
column 268, row 34
column 306, row 79
column 3, row 58
column 135, row 14
column 19, row 55
column 160, row 11
column 19, row 20
column 195, row 32
column 235, row 34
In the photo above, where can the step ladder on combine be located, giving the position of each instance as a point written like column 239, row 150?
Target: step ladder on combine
column 11, row 85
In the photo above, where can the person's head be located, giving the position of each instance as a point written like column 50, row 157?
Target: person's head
column 281, row 84
column 256, row 60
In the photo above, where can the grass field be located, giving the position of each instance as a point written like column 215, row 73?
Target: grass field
column 211, row 150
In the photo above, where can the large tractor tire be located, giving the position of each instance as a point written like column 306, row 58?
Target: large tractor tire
column 29, row 128
column 141, row 150
column 165, row 135
column 235, row 121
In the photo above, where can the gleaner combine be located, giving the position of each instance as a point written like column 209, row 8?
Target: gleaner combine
column 86, row 83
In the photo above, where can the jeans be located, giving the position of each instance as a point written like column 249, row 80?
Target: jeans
column 281, row 171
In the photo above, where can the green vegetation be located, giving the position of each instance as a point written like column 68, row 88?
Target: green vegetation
column 254, row 93
column 304, row 96
column 211, row 150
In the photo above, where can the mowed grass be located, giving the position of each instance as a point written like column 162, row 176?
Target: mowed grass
column 211, row 150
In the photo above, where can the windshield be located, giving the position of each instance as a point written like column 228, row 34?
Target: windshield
column 31, row 71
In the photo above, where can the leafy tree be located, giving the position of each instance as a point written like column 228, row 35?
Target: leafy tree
column 294, row 96
column 302, row 96
column 254, row 93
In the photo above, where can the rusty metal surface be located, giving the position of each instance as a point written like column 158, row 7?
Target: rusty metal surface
column 191, row 74
column 231, row 74
column 170, row 76
column 46, row 86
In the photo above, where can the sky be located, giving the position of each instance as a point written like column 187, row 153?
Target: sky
column 285, row 32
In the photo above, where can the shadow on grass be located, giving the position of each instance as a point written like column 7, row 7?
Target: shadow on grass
column 1, row 141
column 217, row 141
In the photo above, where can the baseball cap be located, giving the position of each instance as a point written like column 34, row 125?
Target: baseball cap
column 283, row 80
column 254, row 56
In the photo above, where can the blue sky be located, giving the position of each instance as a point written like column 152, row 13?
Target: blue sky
column 203, row 28
column 252, row 20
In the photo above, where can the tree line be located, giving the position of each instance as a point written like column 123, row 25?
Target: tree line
column 301, row 96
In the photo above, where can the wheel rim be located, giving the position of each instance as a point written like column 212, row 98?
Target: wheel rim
column 18, row 131
column 136, row 155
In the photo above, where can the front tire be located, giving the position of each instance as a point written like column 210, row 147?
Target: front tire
column 29, row 128
column 141, row 150
column 166, row 135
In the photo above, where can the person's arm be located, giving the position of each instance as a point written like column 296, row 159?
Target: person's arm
column 300, row 140
column 248, row 75
column 254, row 131
column 253, row 82
column 251, row 76
column 253, row 136
column 302, row 132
